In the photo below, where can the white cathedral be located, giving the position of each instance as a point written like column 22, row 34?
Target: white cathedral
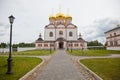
column 60, row 33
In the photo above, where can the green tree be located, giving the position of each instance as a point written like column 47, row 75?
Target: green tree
column 26, row 44
column 3, row 45
column 94, row 43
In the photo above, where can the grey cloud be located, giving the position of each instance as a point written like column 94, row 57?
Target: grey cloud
column 97, row 29
column 3, row 29
column 2, row 34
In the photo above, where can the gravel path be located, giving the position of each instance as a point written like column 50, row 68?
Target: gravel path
column 60, row 68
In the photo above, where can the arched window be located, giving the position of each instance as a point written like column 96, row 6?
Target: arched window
column 70, row 34
column 114, row 34
column 60, row 32
column 115, row 43
column 111, row 43
column 51, row 34
column 110, row 35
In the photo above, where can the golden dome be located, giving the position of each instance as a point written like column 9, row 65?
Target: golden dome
column 68, row 17
column 60, row 15
column 52, row 17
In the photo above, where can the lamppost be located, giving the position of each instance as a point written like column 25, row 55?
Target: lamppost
column 9, row 71
column 67, row 46
column 54, row 45
column 50, row 48
column 71, row 46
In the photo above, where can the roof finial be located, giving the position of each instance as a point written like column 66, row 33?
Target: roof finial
column 68, row 11
column 80, row 35
column 60, row 8
column 52, row 11
column 40, row 35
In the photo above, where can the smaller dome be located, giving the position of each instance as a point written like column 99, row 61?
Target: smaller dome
column 81, row 39
column 68, row 17
column 52, row 17
column 39, row 40
column 60, row 15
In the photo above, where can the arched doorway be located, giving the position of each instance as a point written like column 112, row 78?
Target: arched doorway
column 61, row 45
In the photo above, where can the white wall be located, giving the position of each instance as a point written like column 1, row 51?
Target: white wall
column 117, row 31
column 65, row 35
column 113, row 38
column 4, row 50
column 46, row 35
column 74, row 31
column 25, row 49
column 60, row 28
column 113, row 48
column 43, row 47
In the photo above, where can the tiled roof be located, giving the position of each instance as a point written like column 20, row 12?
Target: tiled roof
column 113, row 29
column 81, row 39
column 39, row 40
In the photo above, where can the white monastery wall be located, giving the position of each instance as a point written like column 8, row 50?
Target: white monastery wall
column 74, row 37
column 58, row 35
column 113, row 48
column 113, row 37
column 46, row 35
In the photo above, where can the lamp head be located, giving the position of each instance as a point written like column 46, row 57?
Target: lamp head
column 11, row 19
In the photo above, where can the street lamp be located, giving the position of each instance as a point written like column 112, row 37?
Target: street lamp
column 54, row 45
column 71, row 46
column 50, row 48
column 11, row 19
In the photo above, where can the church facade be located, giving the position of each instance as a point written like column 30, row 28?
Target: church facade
column 60, row 33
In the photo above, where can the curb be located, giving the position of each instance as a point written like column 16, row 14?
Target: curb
column 32, row 71
column 90, row 71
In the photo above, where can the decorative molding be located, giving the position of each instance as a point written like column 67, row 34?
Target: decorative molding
column 113, row 36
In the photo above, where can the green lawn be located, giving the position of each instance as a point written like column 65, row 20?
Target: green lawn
column 106, row 68
column 93, row 52
column 21, row 65
column 33, row 52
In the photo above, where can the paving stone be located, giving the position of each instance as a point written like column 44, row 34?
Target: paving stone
column 60, row 68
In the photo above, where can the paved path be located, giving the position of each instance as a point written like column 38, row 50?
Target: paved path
column 60, row 68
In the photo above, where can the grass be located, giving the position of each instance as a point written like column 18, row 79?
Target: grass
column 33, row 52
column 106, row 68
column 20, row 66
column 93, row 52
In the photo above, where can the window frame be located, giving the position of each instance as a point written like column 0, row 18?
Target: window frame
column 70, row 34
column 51, row 34
column 60, row 32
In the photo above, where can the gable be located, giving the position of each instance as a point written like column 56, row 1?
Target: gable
column 71, row 26
column 50, row 26
column 61, row 26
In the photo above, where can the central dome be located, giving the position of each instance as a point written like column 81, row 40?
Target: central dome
column 60, row 15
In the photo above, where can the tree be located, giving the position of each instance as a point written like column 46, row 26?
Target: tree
column 3, row 45
column 26, row 44
column 94, row 43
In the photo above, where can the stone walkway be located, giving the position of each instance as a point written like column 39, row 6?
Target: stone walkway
column 60, row 68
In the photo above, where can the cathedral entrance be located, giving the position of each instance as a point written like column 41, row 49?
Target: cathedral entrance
column 61, row 45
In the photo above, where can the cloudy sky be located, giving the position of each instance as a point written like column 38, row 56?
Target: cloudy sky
column 92, row 17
